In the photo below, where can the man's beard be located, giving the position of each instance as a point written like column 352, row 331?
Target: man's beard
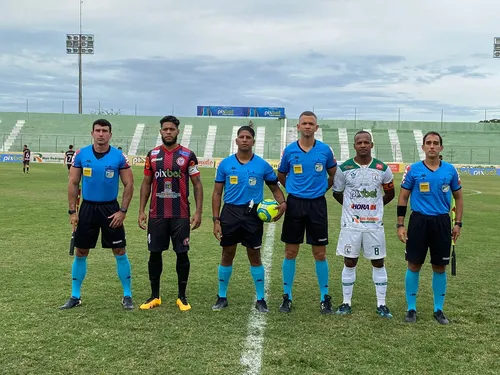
column 169, row 143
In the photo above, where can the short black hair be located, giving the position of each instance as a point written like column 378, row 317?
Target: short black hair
column 102, row 122
column 248, row 129
column 363, row 132
column 70, row 147
column 433, row 133
column 308, row 113
column 25, row 145
column 174, row 120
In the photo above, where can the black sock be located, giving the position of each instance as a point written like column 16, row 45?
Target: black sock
column 155, row 267
column 182, row 268
column 24, row 170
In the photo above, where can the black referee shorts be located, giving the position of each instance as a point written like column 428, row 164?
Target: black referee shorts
column 92, row 217
column 239, row 225
column 160, row 231
column 305, row 215
column 429, row 232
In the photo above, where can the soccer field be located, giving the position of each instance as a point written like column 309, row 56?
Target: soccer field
column 100, row 337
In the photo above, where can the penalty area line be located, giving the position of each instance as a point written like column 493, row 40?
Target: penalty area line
column 251, row 358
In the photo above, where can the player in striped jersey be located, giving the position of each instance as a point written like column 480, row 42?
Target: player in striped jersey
column 167, row 171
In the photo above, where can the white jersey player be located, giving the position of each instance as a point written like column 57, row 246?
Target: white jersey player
column 363, row 185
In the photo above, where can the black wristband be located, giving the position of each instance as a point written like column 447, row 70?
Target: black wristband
column 402, row 211
column 215, row 218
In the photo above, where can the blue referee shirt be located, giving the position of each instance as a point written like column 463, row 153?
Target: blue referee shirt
column 431, row 191
column 307, row 171
column 244, row 182
column 100, row 173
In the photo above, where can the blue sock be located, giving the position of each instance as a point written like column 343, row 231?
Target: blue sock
column 258, row 274
column 288, row 276
column 411, row 286
column 439, row 289
column 322, row 274
column 78, row 272
column 123, row 270
column 224, row 276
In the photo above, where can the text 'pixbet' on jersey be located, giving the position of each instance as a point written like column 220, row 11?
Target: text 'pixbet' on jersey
column 160, row 173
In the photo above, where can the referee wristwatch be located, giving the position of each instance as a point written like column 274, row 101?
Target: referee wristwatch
column 215, row 218
column 71, row 212
column 124, row 210
column 459, row 223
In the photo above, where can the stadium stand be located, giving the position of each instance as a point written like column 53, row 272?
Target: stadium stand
column 465, row 143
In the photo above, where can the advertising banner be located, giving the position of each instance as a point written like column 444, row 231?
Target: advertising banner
column 226, row 111
column 11, row 157
column 478, row 170
column 202, row 162
column 48, row 157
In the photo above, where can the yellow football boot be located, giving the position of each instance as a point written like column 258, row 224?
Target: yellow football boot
column 183, row 304
column 151, row 304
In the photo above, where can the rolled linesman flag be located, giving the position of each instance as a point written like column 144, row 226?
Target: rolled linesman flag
column 72, row 241
column 453, row 256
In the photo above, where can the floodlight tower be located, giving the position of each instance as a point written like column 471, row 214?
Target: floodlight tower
column 81, row 44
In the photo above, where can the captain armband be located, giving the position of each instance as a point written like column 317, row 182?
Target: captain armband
column 402, row 211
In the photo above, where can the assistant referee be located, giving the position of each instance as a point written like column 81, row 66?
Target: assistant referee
column 100, row 168
column 430, row 182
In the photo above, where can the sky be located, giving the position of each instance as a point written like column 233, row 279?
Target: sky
column 344, row 59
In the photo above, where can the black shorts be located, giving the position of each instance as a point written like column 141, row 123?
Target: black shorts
column 305, row 215
column 239, row 225
column 92, row 217
column 429, row 232
column 160, row 231
column 26, row 162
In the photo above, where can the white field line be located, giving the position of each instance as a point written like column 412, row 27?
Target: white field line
column 251, row 357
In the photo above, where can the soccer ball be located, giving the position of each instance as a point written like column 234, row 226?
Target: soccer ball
column 267, row 210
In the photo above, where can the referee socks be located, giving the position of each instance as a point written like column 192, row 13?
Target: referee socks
column 224, row 274
column 258, row 274
column 288, row 276
column 78, row 272
column 411, row 286
column 322, row 274
column 123, row 270
column 439, row 289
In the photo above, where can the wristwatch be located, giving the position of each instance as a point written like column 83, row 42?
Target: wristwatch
column 215, row 218
column 124, row 210
column 71, row 212
column 400, row 225
column 459, row 223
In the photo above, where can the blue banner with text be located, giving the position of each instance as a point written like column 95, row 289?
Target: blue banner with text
column 221, row 111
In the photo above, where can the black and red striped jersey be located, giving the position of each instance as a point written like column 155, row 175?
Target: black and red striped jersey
column 171, row 172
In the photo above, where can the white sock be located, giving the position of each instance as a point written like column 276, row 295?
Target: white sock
column 348, row 279
column 380, row 281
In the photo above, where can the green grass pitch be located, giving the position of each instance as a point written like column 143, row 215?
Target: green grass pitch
column 101, row 338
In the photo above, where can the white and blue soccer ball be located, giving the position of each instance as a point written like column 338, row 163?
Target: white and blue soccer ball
column 267, row 210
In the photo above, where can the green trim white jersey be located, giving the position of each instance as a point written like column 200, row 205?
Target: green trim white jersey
column 363, row 207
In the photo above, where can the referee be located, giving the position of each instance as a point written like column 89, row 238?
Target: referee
column 306, row 170
column 430, row 182
column 241, row 177
column 100, row 168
